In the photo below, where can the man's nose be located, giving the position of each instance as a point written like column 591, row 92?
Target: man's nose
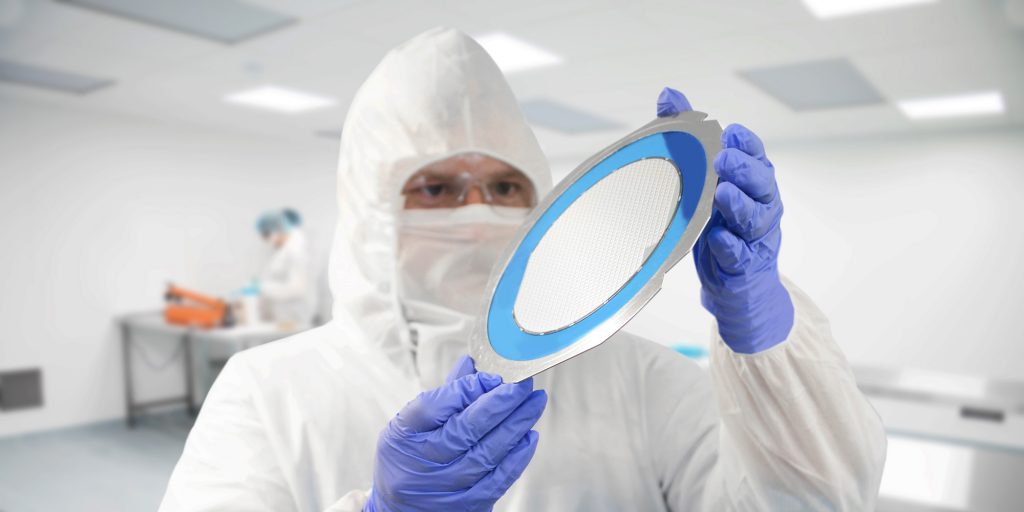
column 474, row 196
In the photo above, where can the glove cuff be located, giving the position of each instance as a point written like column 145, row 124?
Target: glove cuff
column 750, row 324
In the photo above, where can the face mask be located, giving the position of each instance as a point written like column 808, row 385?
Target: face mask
column 275, row 240
column 445, row 257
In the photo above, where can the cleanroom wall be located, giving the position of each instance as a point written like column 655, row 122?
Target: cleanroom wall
column 100, row 212
column 909, row 244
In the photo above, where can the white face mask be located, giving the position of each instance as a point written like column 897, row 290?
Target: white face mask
column 445, row 257
column 275, row 240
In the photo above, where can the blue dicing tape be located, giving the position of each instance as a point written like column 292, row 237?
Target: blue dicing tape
column 506, row 337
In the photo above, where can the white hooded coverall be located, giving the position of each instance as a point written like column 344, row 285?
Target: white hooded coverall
column 630, row 425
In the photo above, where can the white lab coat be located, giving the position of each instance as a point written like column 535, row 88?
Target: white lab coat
column 630, row 425
column 285, row 285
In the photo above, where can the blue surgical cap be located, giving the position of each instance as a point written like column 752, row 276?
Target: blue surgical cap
column 278, row 221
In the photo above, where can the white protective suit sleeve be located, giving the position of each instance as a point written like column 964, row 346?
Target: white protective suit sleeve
column 794, row 431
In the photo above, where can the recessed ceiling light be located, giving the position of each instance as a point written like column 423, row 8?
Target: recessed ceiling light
column 280, row 99
column 961, row 105
column 513, row 54
column 835, row 8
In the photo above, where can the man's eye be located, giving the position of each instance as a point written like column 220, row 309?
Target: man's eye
column 433, row 190
column 506, row 188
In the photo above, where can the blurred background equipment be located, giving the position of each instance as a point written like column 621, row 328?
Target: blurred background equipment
column 138, row 136
column 193, row 309
column 152, row 346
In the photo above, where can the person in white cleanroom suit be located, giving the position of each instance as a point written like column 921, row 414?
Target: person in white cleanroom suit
column 308, row 424
column 284, row 283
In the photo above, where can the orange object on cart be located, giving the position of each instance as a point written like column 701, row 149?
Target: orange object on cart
column 194, row 309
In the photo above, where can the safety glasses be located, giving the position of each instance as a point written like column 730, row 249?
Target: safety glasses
column 433, row 189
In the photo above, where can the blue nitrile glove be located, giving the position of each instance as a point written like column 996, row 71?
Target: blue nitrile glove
column 457, row 447
column 737, row 254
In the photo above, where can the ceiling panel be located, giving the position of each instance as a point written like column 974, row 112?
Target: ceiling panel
column 307, row 9
column 618, row 55
column 50, row 78
column 88, row 60
column 104, row 33
column 815, row 85
column 34, row 23
column 225, row 21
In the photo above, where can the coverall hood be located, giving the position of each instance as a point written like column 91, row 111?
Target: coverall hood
column 435, row 96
